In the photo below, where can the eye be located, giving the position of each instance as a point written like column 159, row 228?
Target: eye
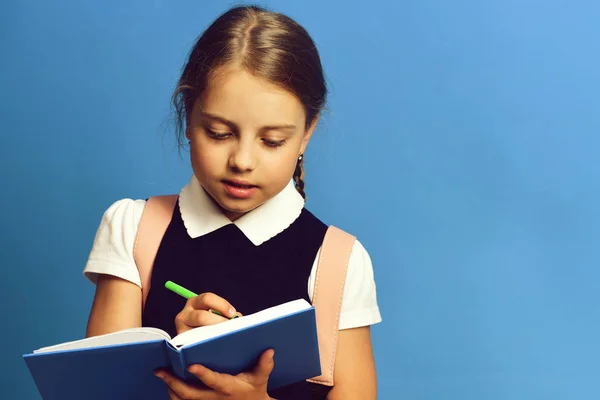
column 217, row 135
column 274, row 143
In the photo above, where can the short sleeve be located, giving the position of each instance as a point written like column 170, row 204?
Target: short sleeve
column 359, row 303
column 112, row 251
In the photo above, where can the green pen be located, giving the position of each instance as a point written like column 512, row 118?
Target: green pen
column 180, row 290
column 188, row 294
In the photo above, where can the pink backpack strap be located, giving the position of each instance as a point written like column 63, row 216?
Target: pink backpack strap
column 330, row 280
column 151, row 229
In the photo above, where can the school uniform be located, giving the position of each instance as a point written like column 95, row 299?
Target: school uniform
column 264, row 258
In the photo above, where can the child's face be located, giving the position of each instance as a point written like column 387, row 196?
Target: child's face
column 244, row 130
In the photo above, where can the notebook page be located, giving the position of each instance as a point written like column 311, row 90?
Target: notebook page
column 132, row 335
column 210, row 331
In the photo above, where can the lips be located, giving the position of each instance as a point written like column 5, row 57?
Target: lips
column 239, row 189
column 239, row 184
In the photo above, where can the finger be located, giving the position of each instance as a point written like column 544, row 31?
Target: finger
column 173, row 395
column 222, row 383
column 207, row 301
column 181, row 390
column 264, row 367
column 201, row 318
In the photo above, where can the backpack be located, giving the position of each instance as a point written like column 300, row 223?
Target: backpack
column 329, row 280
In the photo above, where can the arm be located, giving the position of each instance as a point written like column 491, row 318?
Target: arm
column 354, row 374
column 111, row 267
column 117, row 305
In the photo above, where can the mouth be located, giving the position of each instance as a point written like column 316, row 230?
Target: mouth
column 239, row 189
column 239, row 184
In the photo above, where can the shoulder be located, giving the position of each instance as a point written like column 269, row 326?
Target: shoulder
column 122, row 218
column 359, row 306
column 112, row 250
column 359, row 302
column 124, row 209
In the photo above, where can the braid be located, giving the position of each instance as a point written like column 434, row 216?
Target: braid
column 298, row 175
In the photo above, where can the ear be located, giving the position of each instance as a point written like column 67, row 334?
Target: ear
column 308, row 134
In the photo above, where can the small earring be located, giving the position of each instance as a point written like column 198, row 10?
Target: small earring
column 300, row 157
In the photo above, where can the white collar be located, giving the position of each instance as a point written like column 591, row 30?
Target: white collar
column 201, row 216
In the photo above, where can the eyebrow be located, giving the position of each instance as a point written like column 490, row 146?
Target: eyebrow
column 234, row 126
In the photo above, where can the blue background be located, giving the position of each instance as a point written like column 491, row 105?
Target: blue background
column 461, row 146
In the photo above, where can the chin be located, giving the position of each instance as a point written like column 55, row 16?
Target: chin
column 238, row 206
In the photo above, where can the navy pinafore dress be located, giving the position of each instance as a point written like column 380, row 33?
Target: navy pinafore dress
column 250, row 277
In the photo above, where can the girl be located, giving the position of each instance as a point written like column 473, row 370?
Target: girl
column 248, row 102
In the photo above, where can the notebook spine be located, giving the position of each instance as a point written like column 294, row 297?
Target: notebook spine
column 176, row 361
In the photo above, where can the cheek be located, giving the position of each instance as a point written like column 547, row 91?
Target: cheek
column 206, row 160
column 282, row 168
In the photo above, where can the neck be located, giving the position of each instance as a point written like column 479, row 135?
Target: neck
column 232, row 216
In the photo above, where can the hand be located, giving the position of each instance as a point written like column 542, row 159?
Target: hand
column 245, row 386
column 195, row 313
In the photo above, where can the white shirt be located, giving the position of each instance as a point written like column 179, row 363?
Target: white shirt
column 112, row 251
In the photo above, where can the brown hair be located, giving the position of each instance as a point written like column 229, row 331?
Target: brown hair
column 267, row 44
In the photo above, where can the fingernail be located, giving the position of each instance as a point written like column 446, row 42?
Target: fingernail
column 158, row 374
column 196, row 369
column 231, row 312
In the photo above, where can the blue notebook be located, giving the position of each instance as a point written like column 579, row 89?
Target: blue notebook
column 120, row 365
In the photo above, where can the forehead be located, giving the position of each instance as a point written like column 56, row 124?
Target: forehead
column 250, row 101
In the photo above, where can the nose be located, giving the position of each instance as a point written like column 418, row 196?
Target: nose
column 242, row 157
